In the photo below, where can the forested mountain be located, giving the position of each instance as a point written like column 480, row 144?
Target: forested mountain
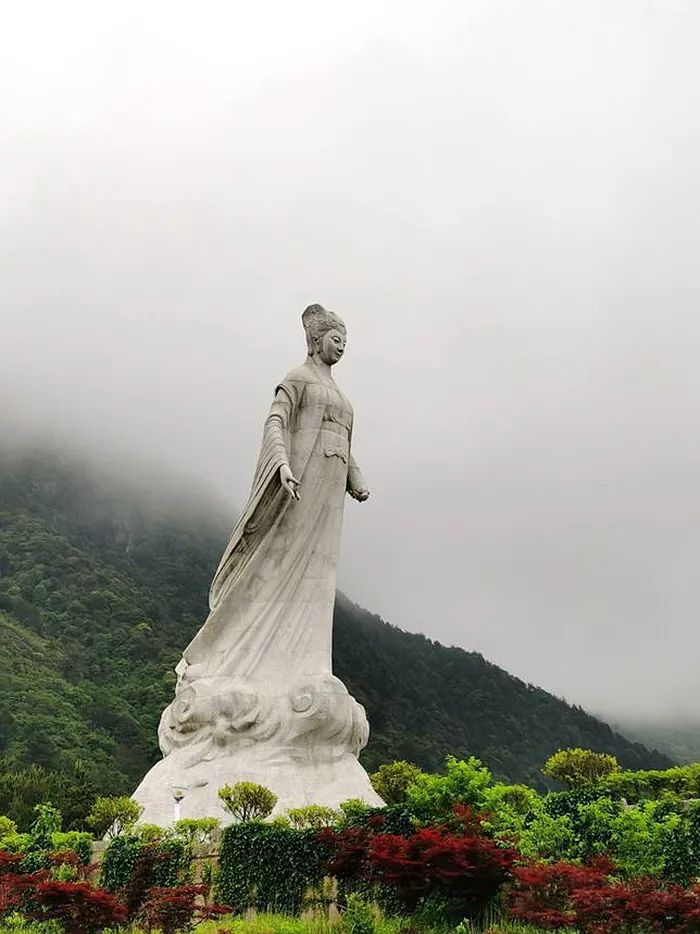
column 101, row 587
column 677, row 737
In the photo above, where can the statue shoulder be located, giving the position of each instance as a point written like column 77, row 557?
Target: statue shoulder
column 300, row 376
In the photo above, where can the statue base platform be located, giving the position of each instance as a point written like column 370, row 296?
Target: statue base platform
column 302, row 743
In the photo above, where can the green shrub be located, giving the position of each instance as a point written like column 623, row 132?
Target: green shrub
column 131, row 867
column 358, row 917
column 119, row 862
column 7, row 826
column 35, row 860
column 111, row 817
column 247, row 801
column 77, row 841
column 682, row 781
column 681, row 848
column 46, row 824
column 431, row 798
column 16, row 924
column 174, row 862
column 549, row 837
column 392, row 781
column 16, row 842
column 313, row 816
column 509, row 809
column 355, row 812
column 200, row 830
column 580, row 767
column 149, row 833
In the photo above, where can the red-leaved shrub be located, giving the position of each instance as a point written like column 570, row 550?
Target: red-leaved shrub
column 76, row 906
column 15, row 888
column 142, row 879
column 456, row 862
column 350, row 853
column 173, row 910
column 542, row 894
column 585, row 898
column 9, row 862
column 641, row 904
column 170, row 909
column 469, row 870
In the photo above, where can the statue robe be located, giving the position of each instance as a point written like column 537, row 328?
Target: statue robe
column 273, row 594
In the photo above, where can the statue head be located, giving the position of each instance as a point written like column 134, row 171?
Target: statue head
column 326, row 334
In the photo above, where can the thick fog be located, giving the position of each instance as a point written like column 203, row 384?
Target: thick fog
column 502, row 200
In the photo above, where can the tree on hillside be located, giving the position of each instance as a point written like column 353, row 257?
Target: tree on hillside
column 580, row 767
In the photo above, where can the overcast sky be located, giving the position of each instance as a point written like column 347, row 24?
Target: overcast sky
column 502, row 200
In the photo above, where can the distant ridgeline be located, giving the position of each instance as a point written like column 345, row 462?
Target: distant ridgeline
column 102, row 586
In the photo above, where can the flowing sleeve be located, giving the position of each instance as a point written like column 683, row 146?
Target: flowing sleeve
column 267, row 499
column 356, row 480
column 277, row 426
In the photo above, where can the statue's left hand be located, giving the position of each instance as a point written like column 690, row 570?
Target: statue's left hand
column 360, row 495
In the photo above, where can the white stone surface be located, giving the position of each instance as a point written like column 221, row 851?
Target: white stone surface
column 256, row 699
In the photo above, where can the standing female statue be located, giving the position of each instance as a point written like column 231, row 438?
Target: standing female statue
column 256, row 696
column 272, row 597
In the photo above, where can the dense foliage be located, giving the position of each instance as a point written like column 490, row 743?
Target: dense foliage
column 464, row 870
column 458, row 849
column 591, row 900
column 79, row 906
column 578, row 768
column 132, row 867
column 101, row 587
column 99, row 591
column 269, row 866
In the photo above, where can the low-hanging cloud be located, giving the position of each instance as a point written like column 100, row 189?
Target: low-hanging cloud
column 500, row 198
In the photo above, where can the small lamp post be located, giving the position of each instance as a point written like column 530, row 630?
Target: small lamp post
column 179, row 792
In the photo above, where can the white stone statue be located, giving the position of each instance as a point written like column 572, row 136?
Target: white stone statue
column 256, row 699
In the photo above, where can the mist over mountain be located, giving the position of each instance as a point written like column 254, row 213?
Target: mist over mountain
column 676, row 737
column 502, row 201
column 103, row 581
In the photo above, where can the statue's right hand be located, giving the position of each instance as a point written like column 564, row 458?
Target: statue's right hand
column 288, row 482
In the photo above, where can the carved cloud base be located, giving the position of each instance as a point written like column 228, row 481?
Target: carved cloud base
column 301, row 742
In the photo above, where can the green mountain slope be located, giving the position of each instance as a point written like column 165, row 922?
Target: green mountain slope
column 678, row 738
column 425, row 699
column 101, row 587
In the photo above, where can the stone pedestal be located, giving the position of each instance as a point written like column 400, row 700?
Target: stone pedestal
column 301, row 742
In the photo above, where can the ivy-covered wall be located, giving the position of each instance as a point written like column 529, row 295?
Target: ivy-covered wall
column 171, row 862
column 269, row 867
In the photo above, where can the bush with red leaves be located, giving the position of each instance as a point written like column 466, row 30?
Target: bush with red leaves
column 76, row 906
column 543, row 893
column 350, row 848
column 174, row 909
column 468, row 869
column 465, row 820
column 455, row 862
column 640, row 904
column 82, row 872
column 143, row 878
column 9, row 862
column 584, row 897
column 170, row 909
column 15, row 888
column 65, row 858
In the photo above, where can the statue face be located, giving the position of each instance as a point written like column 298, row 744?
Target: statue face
column 331, row 346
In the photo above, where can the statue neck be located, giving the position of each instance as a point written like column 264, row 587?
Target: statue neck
column 323, row 368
